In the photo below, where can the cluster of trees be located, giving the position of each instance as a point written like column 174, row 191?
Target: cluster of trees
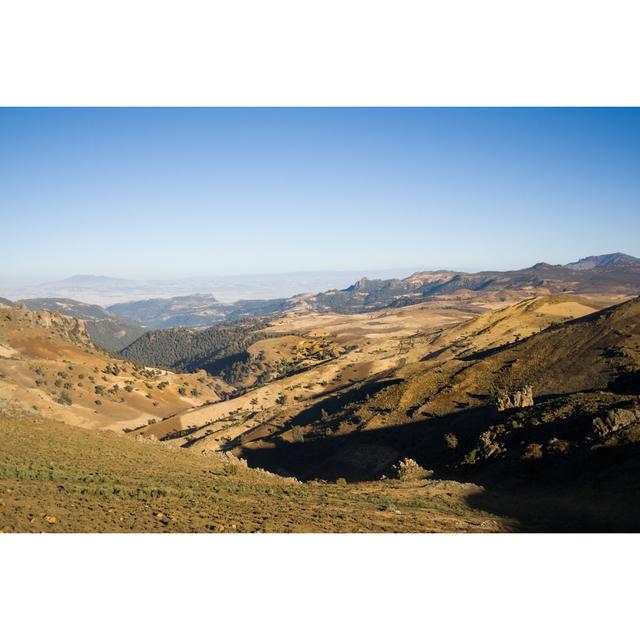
column 220, row 350
column 193, row 310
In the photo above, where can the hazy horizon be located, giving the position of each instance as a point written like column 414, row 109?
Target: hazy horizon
column 105, row 290
column 222, row 276
column 366, row 272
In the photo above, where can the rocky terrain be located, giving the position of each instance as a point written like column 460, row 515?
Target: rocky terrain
column 105, row 329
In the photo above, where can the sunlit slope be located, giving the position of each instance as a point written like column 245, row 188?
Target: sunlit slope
column 306, row 356
column 589, row 352
column 49, row 366
column 367, row 349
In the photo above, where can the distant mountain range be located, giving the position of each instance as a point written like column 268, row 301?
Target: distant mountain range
column 613, row 274
column 107, row 291
column 115, row 327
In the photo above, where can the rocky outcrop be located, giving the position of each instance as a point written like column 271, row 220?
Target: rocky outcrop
column 409, row 469
column 72, row 329
column 489, row 445
column 231, row 461
column 516, row 399
column 616, row 420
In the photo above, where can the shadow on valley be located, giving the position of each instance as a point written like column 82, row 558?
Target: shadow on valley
column 592, row 489
column 627, row 382
column 367, row 454
column 333, row 403
column 594, row 493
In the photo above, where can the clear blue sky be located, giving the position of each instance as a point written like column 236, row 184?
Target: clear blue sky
column 185, row 192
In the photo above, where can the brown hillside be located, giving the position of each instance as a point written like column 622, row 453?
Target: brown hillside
column 48, row 366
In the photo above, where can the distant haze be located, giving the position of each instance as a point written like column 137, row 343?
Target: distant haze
column 105, row 290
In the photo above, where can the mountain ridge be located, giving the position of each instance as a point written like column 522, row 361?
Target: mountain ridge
column 615, row 276
column 604, row 260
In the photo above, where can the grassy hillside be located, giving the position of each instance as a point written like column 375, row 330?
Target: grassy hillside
column 57, row 478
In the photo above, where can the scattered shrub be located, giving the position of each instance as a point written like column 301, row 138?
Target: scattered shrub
column 64, row 398
column 533, row 451
column 451, row 440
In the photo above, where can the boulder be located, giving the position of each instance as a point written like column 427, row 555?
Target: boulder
column 615, row 420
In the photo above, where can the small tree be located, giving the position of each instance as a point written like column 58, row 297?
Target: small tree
column 451, row 440
column 65, row 398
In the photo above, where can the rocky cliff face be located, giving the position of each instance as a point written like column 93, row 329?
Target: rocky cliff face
column 517, row 399
column 616, row 420
column 71, row 329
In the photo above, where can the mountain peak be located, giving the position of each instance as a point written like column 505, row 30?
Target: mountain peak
column 605, row 260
